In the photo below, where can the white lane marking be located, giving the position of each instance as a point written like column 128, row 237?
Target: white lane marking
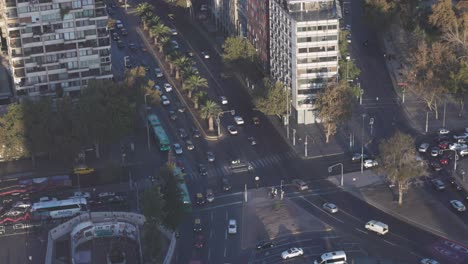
column 389, row 242
column 209, row 254
column 225, row 251
column 211, row 233
column 225, row 235
column 320, row 208
column 227, row 215
column 360, row 230
column 229, row 195
column 211, row 215
column 219, row 206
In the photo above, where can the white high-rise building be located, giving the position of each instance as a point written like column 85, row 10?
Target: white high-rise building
column 304, row 50
column 56, row 46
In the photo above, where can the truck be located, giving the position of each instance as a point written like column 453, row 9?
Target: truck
column 376, row 226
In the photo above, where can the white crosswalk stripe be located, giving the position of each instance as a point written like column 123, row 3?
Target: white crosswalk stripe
column 276, row 158
column 225, row 171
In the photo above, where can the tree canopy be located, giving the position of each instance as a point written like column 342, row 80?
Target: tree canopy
column 271, row 99
column 174, row 208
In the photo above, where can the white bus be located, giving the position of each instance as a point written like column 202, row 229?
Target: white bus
column 336, row 257
column 58, row 209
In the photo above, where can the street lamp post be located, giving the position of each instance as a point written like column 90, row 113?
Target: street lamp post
column 331, row 168
column 427, row 121
column 362, row 144
column 218, row 120
column 445, row 108
column 305, row 146
column 294, row 137
column 147, row 123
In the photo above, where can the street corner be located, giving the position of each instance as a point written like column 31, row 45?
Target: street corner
column 270, row 218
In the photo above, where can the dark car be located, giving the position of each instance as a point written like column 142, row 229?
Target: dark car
column 197, row 226
column 200, row 198
column 455, row 185
column 435, row 166
column 264, row 245
column 182, row 133
column 132, row 46
column 226, row 184
column 172, row 115
column 115, row 36
column 439, row 185
column 124, row 32
column 190, row 54
column 120, row 44
column 441, row 138
column 357, row 157
column 202, row 170
column 195, row 132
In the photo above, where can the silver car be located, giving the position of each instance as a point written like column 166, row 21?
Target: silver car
column 331, row 208
column 457, row 205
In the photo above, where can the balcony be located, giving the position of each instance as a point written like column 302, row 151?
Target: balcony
column 10, row 3
column 19, row 73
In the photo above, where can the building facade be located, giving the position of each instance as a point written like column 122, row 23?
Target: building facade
column 56, row 46
column 304, row 50
column 225, row 14
column 257, row 33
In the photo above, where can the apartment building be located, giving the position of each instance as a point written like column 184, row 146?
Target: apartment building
column 225, row 14
column 56, row 46
column 304, row 50
column 256, row 12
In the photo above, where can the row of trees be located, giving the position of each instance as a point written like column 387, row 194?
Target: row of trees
column 161, row 204
column 437, row 64
column 180, row 66
column 60, row 128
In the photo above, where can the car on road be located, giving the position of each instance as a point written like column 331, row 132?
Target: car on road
column 443, row 131
column 370, row 163
column 239, row 120
column 195, row 132
column 264, row 245
column 428, row 261
column 127, row 62
column 119, row 24
column 435, row 166
column 438, row 184
column 178, row 149
column 124, row 32
column 348, row 27
column 157, row 88
column 182, row 133
column 300, row 184
column 205, row 54
column 174, row 31
column 180, row 165
column 423, row 147
column 232, row 226
column 225, row 184
column 167, row 87
column 165, row 100
column 199, row 241
column 132, row 46
column 232, row 130
column 82, row 169
column 115, row 36
column 435, row 151
column 174, row 44
column 457, row 205
column 197, row 226
column 441, row 138
column 190, row 145
column 252, row 141
column 200, row 198
column 330, row 207
column 120, row 44
column 209, row 195
column 173, row 115
column 159, row 73
column 190, row 53
column 85, row 195
column 203, row 8
column 202, row 170
column 224, row 100
column 348, row 38
column 357, row 157
column 292, row 253
column 455, row 185
column 376, row 226
column 256, row 120
column 210, row 156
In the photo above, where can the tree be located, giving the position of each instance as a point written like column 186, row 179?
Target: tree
column 152, row 204
column 180, row 62
column 458, row 84
column 187, row 71
column 144, row 10
column 134, row 80
column 271, row 99
column 334, row 106
column 164, row 44
column 398, row 160
column 427, row 71
column 199, row 98
column 381, row 11
column 153, row 96
column 173, row 208
column 158, row 31
column 208, row 111
column 194, row 82
column 453, row 26
column 110, row 23
column 13, row 144
column 240, row 54
column 152, row 240
column 38, row 117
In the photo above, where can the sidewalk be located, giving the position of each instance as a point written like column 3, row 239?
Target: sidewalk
column 419, row 207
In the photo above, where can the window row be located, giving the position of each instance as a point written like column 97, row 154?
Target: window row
column 316, row 39
column 317, row 28
column 319, row 59
column 317, row 49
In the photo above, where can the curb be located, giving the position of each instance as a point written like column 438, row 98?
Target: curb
column 351, row 190
column 171, row 80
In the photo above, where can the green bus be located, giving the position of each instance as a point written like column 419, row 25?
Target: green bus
column 153, row 120
column 161, row 137
column 183, row 187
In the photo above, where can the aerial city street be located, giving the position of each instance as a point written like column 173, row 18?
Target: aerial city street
column 193, row 132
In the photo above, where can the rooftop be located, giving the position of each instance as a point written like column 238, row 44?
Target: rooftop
column 311, row 10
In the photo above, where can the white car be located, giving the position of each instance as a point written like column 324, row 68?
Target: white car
column 165, row 100
column 174, row 32
column 292, row 252
column 330, row 207
column 424, row 147
column 239, row 120
column 348, row 38
column 157, row 88
column 224, row 100
column 178, row 149
column 443, row 131
column 167, row 87
column 232, row 226
column 370, row 163
column 457, row 146
column 119, row 24
column 464, row 136
column 205, row 55
column 232, row 130
column 159, row 72
column 463, row 152
column 203, row 8
column 428, row 261
column 348, row 27
column 106, row 194
column 457, row 205
column 435, row 151
column 85, row 195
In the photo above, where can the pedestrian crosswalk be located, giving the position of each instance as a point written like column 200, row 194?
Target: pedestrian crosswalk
column 225, row 170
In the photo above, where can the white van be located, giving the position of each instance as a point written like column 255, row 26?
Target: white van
column 335, row 257
column 376, row 226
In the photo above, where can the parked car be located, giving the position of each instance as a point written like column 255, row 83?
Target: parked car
column 435, row 166
column 438, row 184
column 159, row 73
column 182, row 133
column 444, row 160
column 292, row 253
column 463, row 152
column 330, row 207
column 239, row 120
column 173, row 115
column 195, row 132
column 300, row 184
column 348, row 38
column 443, row 144
column 423, row 147
column 463, row 136
column 256, row 120
column 435, row 151
column 443, row 131
column 457, row 205
column 124, row 32
column 232, row 130
column 428, row 261
column 457, row 146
